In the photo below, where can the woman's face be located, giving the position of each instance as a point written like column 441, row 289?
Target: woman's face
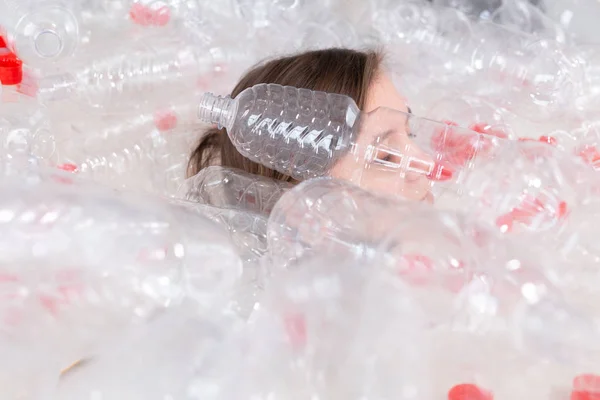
column 387, row 131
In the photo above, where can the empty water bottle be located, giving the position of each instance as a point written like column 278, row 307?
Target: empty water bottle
column 144, row 260
column 124, row 80
column 234, row 189
column 39, row 30
column 325, row 216
column 324, row 312
column 530, row 187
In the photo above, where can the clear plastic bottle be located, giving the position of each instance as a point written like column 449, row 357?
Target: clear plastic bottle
column 307, row 134
column 124, row 79
column 145, row 259
column 529, row 189
column 39, row 30
column 314, row 330
column 482, row 9
column 525, row 16
column 248, row 232
column 148, row 160
column 234, row 189
column 423, row 246
column 542, row 80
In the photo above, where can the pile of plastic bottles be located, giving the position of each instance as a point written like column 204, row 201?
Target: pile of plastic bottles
column 120, row 279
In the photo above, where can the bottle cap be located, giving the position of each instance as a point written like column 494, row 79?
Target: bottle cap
column 586, row 387
column 165, row 120
column 469, row 391
column 68, row 167
column 4, row 50
column 11, row 71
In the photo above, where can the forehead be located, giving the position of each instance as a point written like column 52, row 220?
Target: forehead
column 383, row 93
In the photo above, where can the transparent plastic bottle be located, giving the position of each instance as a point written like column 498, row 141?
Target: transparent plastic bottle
column 430, row 31
column 326, row 216
column 248, row 232
column 525, row 16
column 148, row 255
column 148, row 160
column 314, row 328
column 123, row 80
column 482, row 9
column 307, row 134
column 26, row 134
column 542, row 80
column 529, row 189
column 39, row 30
column 234, row 189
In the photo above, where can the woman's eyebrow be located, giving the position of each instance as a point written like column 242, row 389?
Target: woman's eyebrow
column 383, row 136
column 408, row 110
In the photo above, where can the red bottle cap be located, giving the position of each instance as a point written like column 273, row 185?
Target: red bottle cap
column 586, row 387
column 11, row 70
column 165, row 120
column 549, row 139
column 469, row 391
column 2, row 42
column 68, row 167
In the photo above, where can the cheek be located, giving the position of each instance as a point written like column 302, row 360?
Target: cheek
column 412, row 187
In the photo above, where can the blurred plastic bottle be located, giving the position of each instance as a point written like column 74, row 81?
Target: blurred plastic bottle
column 234, row 189
column 542, row 79
column 315, row 327
column 263, row 13
column 122, row 80
column 422, row 246
column 147, row 256
column 331, row 217
column 482, row 9
column 306, row 134
column 442, row 35
column 474, row 112
column 154, row 162
column 248, row 232
column 26, row 137
column 524, row 16
column 530, row 187
column 39, row 30
column 576, row 17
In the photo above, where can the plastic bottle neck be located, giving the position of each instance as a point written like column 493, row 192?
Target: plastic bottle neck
column 217, row 110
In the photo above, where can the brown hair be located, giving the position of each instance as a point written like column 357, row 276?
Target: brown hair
column 340, row 71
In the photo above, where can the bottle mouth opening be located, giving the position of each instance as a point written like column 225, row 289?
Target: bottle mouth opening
column 45, row 34
column 48, row 43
